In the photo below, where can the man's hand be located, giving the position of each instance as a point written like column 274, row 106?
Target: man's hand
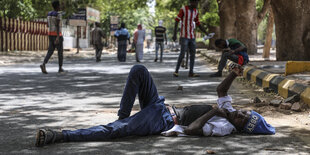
column 166, row 42
column 232, row 51
column 238, row 70
column 56, row 41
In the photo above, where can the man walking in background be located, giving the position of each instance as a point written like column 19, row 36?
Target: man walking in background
column 54, row 24
column 161, row 36
column 188, row 15
column 122, row 36
column 139, row 37
column 97, row 35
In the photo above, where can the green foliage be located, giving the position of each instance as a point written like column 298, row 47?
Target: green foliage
column 211, row 17
column 259, row 5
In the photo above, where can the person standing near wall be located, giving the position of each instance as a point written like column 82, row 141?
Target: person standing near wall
column 97, row 35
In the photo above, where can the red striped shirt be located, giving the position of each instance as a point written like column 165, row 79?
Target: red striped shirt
column 187, row 18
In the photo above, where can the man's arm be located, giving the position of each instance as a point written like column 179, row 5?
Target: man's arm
column 57, row 28
column 224, row 86
column 195, row 128
column 174, row 38
column 240, row 48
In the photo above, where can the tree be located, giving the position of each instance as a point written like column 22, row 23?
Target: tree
column 292, row 21
column 240, row 19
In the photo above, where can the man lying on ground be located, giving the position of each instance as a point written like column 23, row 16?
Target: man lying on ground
column 154, row 117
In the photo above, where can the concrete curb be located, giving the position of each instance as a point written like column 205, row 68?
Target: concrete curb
column 278, row 83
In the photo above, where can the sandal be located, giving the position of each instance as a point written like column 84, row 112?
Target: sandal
column 175, row 74
column 45, row 136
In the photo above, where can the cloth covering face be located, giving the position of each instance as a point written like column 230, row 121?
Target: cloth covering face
column 258, row 125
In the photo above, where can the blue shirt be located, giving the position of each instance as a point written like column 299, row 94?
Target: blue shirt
column 122, row 31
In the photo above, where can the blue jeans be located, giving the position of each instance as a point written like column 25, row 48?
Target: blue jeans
column 159, row 44
column 191, row 45
column 152, row 119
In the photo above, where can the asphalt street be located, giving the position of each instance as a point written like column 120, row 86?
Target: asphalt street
column 89, row 95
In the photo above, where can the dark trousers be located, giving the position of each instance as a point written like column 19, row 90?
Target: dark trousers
column 52, row 47
column 159, row 44
column 223, row 61
column 152, row 119
column 191, row 45
column 98, row 48
column 122, row 50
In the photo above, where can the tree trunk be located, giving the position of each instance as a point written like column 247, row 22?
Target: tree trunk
column 246, row 25
column 216, row 30
column 292, row 29
column 227, row 18
column 267, row 46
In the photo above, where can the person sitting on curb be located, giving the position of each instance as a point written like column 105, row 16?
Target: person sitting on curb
column 233, row 50
column 154, row 117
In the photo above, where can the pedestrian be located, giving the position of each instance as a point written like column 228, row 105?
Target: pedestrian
column 54, row 23
column 156, row 117
column 139, row 37
column 233, row 50
column 161, row 36
column 122, row 36
column 188, row 15
column 97, row 35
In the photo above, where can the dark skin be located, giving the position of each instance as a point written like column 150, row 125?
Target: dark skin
column 192, row 5
column 238, row 118
column 223, row 46
column 57, row 26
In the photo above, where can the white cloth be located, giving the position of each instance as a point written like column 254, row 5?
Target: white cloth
column 217, row 126
column 141, row 36
column 225, row 102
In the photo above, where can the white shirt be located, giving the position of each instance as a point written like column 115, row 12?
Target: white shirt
column 216, row 126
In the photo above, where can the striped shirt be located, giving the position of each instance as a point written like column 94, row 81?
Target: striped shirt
column 52, row 18
column 188, row 17
column 160, row 33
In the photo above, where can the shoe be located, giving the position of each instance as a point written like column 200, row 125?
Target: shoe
column 61, row 70
column 43, row 69
column 138, row 60
column 155, row 60
column 175, row 74
column 193, row 75
column 217, row 74
column 98, row 60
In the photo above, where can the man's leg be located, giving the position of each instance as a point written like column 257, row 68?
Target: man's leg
column 161, row 51
column 192, row 51
column 184, row 45
column 139, row 82
column 49, row 53
column 156, row 51
column 223, row 61
column 60, row 54
column 151, row 120
column 119, row 51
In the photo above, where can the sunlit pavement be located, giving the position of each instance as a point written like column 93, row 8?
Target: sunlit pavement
column 89, row 95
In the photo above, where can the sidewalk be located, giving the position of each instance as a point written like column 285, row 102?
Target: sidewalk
column 270, row 74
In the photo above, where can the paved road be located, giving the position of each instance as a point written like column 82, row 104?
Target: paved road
column 89, row 94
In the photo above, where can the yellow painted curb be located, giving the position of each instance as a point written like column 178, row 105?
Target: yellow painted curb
column 292, row 67
column 267, row 79
column 245, row 71
column 254, row 75
column 305, row 95
column 283, row 87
